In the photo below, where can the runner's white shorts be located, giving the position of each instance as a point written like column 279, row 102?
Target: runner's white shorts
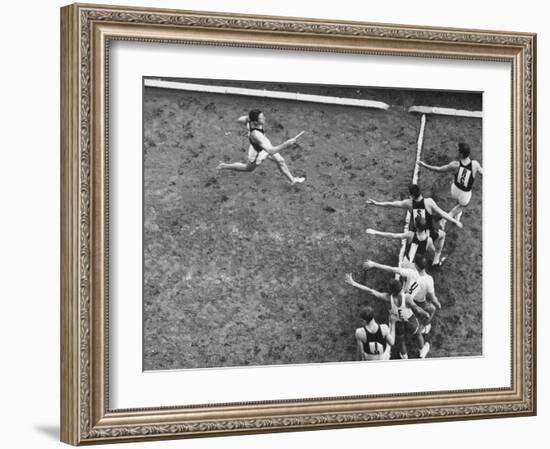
column 258, row 158
column 463, row 198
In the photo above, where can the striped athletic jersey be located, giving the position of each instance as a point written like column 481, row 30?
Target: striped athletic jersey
column 410, row 280
column 425, row 286
column 464, row 177
column 417, row 285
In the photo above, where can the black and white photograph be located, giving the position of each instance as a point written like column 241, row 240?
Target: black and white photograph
column 301, row 223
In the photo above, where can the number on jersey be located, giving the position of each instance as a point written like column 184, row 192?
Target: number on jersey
column 420, row 213
column 464, row 176
column 374, row 348
column 412, row 288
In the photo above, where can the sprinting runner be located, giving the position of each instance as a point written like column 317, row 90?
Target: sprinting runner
column 403, row 310
column 418, row 283
column 261, row 148
column 466, row 171
column 374, row 341
column 419, row 241
column 419, row 206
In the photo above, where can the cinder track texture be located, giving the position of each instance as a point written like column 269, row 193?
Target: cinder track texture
column 244, row 269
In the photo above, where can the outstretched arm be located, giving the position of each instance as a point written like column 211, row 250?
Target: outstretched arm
column 391, row 235
column 243, row 119
column 404, row 204
column 371, row 291
column 371, row 264
column 443, row 214
column 267, row 146
column 441, row 169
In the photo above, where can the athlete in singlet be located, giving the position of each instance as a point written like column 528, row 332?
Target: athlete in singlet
column 417, row 283
column 417, row 206
column 419, row 241
column 424, row 296
column 374, row 340
column 465, row 170
column 402, row 310
column 261, row 148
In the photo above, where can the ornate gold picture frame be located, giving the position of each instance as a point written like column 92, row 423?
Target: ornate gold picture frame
column 87, row 31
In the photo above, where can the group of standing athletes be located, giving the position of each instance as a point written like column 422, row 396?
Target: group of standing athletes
column 411, row 296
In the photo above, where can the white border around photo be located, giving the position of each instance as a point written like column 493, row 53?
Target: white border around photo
column 130, row 387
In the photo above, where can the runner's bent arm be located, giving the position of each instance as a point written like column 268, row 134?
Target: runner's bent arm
column 477, row 168
column 417, row 310
column 430, row 296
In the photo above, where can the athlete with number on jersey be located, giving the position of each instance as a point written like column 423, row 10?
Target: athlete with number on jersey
column 417, row 283
column 426, row 208
column 424, row 295
column 403, row 310
column 419, row 241
column 466, row 171
column 374, row 341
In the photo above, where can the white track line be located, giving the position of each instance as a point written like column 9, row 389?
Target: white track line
column 262, row 93
column 446, row 111
column 414, row 181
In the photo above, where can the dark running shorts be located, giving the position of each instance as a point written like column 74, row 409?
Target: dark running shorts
column 411, row 326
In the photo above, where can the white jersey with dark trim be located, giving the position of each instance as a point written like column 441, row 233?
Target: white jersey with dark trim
column 410, row 280
column 416, row 284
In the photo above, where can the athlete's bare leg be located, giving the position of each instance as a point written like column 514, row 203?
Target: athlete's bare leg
column 438, row 245
column 402, row 346
column 237, row 166
column 423, row 346
column 283, row 168
column 455, row 212
column 419, row 339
